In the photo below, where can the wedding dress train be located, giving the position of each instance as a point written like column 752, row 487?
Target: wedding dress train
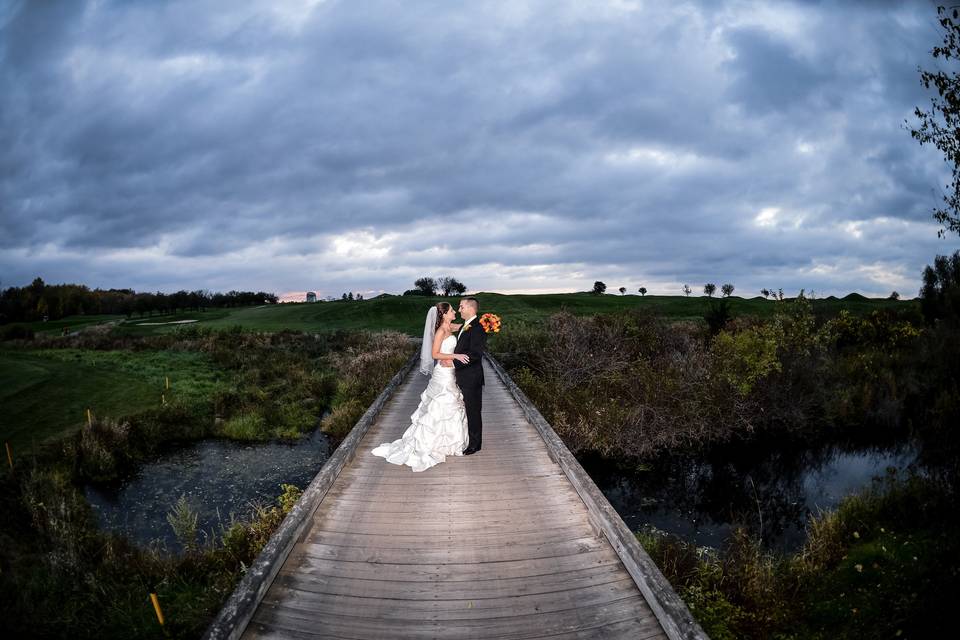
column 439, row 425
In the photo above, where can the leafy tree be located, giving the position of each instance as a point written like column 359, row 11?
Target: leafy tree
column 940, row 293
column 709, row 289
column 893, row 296
column 598, row 288
column 622, row 290
column 427, row 286
column 687, row 289
column 451, row 286
column 350, row 296
column 765, row 293
column 643, row 291
column 343, row 297
column 940, row 125
column 727, row 289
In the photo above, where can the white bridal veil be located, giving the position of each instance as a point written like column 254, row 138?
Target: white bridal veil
column 426, row 349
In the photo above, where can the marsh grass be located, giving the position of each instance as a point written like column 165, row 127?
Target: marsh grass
column 363, row 370
column 183, row 521
column 61, row 575
column 244, row 427
column 882, row 565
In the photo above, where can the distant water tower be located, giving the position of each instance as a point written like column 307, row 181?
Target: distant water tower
column 311, row 296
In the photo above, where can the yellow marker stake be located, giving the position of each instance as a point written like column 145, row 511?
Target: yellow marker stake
column 168, row 382
column 89, row 418
column 9, row 455
column 156, row 607
column 163, row 399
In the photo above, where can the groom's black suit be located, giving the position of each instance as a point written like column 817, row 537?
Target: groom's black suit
column 473, row 342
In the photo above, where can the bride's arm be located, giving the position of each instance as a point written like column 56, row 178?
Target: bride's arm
column 436, row 355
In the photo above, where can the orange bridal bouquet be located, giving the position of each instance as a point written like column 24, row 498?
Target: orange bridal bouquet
column 490, row 323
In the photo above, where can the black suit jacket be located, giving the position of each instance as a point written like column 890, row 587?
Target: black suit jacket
column 473, row 342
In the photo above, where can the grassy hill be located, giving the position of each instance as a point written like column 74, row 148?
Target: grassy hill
column 406, row 313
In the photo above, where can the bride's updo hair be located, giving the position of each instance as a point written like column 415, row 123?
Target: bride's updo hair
column 442, row 308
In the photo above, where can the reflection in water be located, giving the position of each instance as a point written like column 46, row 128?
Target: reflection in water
column 218, row 478
column 772, row 493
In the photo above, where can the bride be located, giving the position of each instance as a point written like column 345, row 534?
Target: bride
column 439, row 425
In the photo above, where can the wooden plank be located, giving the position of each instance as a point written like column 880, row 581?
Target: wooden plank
column 604, row 577
column 437, row 540
column 453, row 609
column 452, row 572
column 461, row 555
column 289, row 617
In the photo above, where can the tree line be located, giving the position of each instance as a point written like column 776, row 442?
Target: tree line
column 39, row 301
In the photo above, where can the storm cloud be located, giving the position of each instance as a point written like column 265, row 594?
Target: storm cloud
column 519, row 146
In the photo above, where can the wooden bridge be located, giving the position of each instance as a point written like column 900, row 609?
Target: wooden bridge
column 513, row 542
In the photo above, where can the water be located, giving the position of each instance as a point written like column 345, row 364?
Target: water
column 218, row 478
column 772, row 493
column 769, row 490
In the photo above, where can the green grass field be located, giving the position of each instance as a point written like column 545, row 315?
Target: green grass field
column 44, row 394
column 406, row 313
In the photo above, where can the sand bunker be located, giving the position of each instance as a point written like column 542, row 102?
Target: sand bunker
column 143, row 324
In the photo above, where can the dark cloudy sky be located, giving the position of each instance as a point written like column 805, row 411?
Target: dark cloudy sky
column 519, row 146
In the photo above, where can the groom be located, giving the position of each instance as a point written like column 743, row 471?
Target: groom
column 472, row 340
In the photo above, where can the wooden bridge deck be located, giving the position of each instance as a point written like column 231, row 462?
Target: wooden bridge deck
column 495, row 545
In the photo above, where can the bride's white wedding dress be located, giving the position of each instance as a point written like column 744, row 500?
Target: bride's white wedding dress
column 439, row 425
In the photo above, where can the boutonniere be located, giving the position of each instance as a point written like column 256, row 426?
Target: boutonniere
column 467, row 328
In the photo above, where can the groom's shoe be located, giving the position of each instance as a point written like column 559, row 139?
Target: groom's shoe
column 469, row 450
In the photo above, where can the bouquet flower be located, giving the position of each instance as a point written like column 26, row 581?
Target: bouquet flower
column 490, row 322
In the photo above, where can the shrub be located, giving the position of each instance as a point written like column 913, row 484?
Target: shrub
column 745, row 357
